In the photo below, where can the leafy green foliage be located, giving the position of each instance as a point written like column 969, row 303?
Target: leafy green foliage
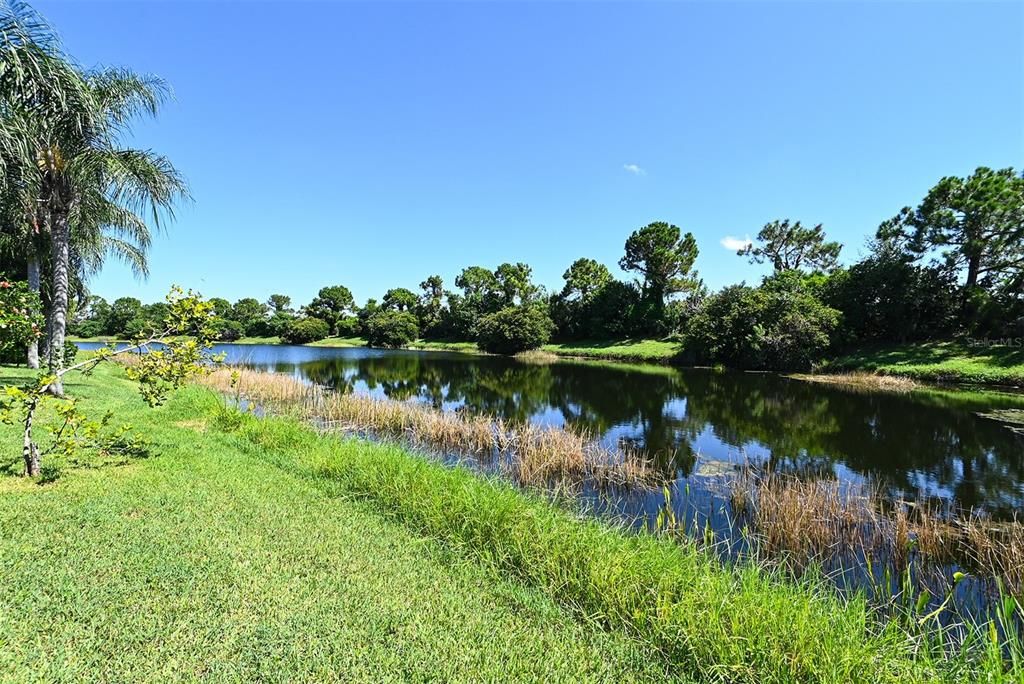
column 331, row 304
column 390, row 328
column 279, row 303
column 306, row 330
column 485, row 292
column 515, row 329
column 888, row 297
column 431, row 304
column 400, row 299
column 228, row 330
column 123, row 311
column 977, row 223
column 665, row 260
column 780, row 325
column 20, row 318
column 252, row 315
column 584, row 278
column 791, row 246
column 174, row 354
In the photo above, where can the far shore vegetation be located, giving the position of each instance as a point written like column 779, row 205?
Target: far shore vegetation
column 939, row 295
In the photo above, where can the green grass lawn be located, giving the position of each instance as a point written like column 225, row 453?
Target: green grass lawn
column 258, row 340
column 651, row 351
column 247, row 549
column 940, row 361
column 209, row 562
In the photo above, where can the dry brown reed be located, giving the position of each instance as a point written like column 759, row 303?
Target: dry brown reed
column 805, row 521
column 538, row 357
column 861, row 380
column 533, row 455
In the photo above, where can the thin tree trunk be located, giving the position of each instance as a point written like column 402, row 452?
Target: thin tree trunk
column 61, row 263
column 34, row 285
column 30, row 450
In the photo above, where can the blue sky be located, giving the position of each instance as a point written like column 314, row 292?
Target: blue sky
column 372, row 145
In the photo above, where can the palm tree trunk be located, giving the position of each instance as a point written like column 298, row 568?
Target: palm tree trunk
column 34, row 285
column 58, row 315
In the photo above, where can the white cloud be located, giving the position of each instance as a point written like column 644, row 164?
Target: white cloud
column 634, row 169
column 735, row 244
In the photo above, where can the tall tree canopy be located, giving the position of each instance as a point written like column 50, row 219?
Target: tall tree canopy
column 65, row 164
column 664, row 258
column 584, row 278
column 975, row 223
column 513, row 283
column 790, row 246
column 331, row 304
column 399, row 299
column 279, row 303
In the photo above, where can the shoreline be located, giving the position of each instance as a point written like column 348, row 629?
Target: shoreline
column 945, row 365
column 253, row 487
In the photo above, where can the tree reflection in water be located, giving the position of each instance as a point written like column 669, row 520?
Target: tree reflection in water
column 926, row 443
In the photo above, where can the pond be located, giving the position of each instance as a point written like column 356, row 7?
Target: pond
column 692, row 423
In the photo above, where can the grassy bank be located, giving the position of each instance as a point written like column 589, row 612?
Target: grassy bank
column 218, row 560
column 257, row 549
column 647, row 351
column 939, row 362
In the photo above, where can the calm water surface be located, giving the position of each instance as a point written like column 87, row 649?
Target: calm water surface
column 694, row 422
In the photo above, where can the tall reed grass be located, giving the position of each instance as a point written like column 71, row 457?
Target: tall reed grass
column 532, row 455
column 805, row 522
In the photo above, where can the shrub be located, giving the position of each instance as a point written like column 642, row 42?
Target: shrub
column 304, row 330
column 391, row 329
column 228, row 330
column 514, row 329
column 87, row 328
column 887, row 297
column 70, row 352
column 20, row 320
column 348, row 326
column 780, row 325
column 279, row 321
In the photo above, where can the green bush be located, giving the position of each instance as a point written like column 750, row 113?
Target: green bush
column 348, row 326
column 306, row 330
column 781, row 325
column 228, row 330
column 279, row 321
column 87, row 328
column 391, row 329
column 514, row 329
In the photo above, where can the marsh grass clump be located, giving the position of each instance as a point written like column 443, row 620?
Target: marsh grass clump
column 861, row 380
column 801, row 523
column 537, row 357
column 532, row 455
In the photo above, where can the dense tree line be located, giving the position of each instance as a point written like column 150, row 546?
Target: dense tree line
column 953, row 265
column 72, row 194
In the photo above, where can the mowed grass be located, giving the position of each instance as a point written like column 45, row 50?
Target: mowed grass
column 940, row 361
column 648, row 351
column 256, row 549
column 207, row 562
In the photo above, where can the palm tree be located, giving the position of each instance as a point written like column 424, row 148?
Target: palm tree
column 89, row 182
column 36, row 83
column 65, row 170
